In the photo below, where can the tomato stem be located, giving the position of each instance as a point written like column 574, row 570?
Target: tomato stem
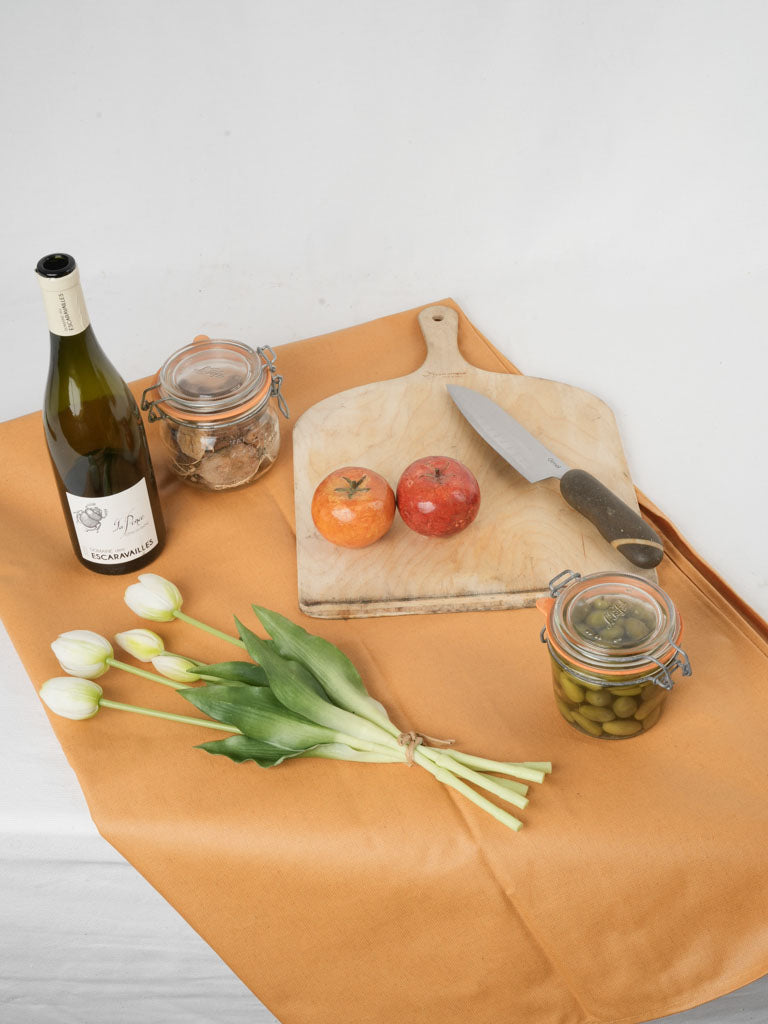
column 355, row 487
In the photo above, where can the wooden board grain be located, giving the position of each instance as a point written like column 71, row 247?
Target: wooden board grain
column 524, row 533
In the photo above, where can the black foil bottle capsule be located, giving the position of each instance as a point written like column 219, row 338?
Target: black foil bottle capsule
column 95, row 437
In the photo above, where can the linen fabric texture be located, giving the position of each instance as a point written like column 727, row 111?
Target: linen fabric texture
column 364, row 894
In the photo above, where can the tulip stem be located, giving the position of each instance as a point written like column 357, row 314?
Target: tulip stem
column 144, row 674
column 483, row 764
column 208, row 629
column 443, row 760
column 449, row 779
column 151, row 713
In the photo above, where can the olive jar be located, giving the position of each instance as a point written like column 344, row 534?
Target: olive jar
column 212, row 399
column 613, row 646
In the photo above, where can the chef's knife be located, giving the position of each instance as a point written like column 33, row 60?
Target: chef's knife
column 617, row 522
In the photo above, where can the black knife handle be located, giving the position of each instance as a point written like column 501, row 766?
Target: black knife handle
column 617, row 522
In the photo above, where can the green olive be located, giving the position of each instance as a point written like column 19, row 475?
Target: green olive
column 571, row 689
column 648, row 615
column 647, row 707
column 593, row 728
column 565, row 711
column 624, row 707
column 611, row 633
column 600, row 698
column 596, row 714
column 636, row 618
column 635, row 629
column 557, row 677
column 652, row 719
column 590, row 686
column 626, row 691
column 627, row 727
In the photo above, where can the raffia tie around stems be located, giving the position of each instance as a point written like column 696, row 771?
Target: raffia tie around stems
column 412, row 740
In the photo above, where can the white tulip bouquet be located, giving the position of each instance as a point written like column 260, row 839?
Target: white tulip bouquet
column 295, row 696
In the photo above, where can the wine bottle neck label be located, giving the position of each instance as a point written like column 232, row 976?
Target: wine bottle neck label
column 64, row 304
column 115, row 528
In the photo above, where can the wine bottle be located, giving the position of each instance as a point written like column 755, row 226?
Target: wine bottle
column 95, row 437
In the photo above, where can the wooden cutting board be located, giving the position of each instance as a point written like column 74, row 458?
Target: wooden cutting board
column 524, row 533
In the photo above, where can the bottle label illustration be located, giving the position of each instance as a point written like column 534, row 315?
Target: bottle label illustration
column 114, row 528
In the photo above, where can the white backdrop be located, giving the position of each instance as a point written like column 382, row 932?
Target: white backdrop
column 587, row 178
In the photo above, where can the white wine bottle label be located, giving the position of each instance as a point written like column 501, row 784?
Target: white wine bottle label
column 116, row 528
column 64, row 304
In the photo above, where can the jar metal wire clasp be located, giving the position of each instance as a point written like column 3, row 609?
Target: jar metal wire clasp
column 563, row 579
column 151, row 405
column 268, row 358
column 679, row 661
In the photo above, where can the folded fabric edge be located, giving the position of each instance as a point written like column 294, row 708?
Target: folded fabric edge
column 693, row 561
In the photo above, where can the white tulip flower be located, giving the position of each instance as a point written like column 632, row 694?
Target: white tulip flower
column 142, row 644
column 71, row 697
column 153, row 598
column 81, row 652
column 173, row 666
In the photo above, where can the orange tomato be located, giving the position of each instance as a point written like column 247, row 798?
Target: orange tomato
column 353, row 507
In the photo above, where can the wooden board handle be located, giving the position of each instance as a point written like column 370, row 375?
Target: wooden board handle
column 440, row 327
column 617, row 522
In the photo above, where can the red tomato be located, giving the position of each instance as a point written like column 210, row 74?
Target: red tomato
column 353, row 507
column 437, row 496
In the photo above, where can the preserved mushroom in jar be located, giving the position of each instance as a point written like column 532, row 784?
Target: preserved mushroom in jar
column 213, row 401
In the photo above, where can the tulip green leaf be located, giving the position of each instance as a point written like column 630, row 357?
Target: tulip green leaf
column 243, row 748
column 236, row 672
column 335, row 672
column 298, row 690
column 272, row 664
column 258, row 714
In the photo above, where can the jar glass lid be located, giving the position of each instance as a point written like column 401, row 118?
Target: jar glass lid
column 212, row 379
column 614, row 620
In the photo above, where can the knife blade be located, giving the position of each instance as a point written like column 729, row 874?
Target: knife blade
column 620, row 525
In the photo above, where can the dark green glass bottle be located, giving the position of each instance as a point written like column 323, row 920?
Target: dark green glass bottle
column 95, row 437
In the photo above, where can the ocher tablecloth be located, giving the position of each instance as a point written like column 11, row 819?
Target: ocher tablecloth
column 368, row 894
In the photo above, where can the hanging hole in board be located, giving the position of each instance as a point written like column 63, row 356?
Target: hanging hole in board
column 437, row 316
